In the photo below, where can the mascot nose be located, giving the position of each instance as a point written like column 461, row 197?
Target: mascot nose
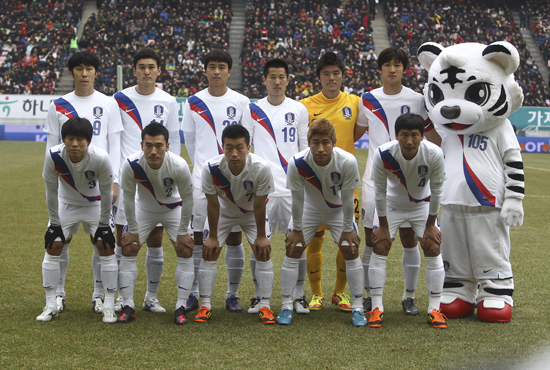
column 450, row 112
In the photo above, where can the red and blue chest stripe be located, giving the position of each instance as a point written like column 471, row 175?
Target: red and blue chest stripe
column 66, row 175
column 391, row 164
column 65, row 108
column 480, row 192
column 261, row 118
column 141, row 176
column 374, row 106
column 128, row 106
column 305, row 170
column 223, row 183
column 200, row 107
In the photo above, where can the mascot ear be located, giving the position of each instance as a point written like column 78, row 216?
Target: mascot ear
column 427, row 54
column 503, row 53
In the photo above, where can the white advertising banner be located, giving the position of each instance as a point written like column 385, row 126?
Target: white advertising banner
column 25, row 106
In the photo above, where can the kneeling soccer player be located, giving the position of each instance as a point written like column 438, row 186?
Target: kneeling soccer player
column 322, row 180
column 78, row 179
column 405, row 171
column 165, row 196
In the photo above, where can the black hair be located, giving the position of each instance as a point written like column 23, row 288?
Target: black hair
column 409, row 121
column 216, row 55
column 79, row 127
column 275, row 63
column 235, row 132
column 329, row 59
column 393, row 52
column 83, row 58
column 155, row 129
column 146, row 53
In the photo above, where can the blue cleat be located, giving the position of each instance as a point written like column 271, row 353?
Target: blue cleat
column 358, row 318
column 192, row 303
column 232, row 304
column 285, row 317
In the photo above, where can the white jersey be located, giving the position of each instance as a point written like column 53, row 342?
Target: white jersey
column 408, row 180
column 279, row 132
column 237, row 193
column 78, row 182
column 323, row 185
column 379, row 111
column 207, row 116
column 158, row 191
column 475, row 176
column 137, row 111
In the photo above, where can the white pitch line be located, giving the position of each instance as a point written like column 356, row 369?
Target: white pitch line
column 540, row 169
column 537, row 196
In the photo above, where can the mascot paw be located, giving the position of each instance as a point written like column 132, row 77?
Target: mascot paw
column 512, row 212
column 455, row 308
column 491, row 310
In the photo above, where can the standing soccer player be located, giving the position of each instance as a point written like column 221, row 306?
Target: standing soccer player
column 205, row 115
column 322, row 180
column 278, row 128
column 102, row 112
column 165, row 196
column 236, row 185
column 408, row 175
column 378, row 111
column 341, row 109
column 78, row 179
column 140, row 106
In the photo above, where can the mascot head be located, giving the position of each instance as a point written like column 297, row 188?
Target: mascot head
column 471, row 87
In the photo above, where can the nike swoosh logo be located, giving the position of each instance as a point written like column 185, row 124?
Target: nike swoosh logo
column 154, row 282
column 111, row 290
column 309, row 178
column 202, row 111
column 67, row 113
column 98, row 281
column 232, row 283
column 316, row 114
column 374, row 110
column 435, row 292
column 124, row 287
column 342, row 270
column 486, row 271
column 378, row 287
column 128, row 110
column 180, row 287
column 261, row 119
column 314, row 272
column 410, row 290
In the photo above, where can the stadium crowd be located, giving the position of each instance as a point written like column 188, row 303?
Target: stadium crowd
column 537, row 18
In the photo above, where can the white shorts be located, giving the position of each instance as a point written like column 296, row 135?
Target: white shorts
column 475, row 244
column 369, row 216
column 415, row 218
column 147, row 221
column 119, row 215
column 71, row 216
column 333, row 221
column 279, row 211
column 245, row 223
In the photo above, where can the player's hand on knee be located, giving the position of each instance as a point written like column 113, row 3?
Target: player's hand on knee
column 106, row 235
column 129, row 239
column 184, row 244
column 53, row 232
column 211, row 249
column 350, row 240
column 294, row 238
column 381, row 239
column 262, row 248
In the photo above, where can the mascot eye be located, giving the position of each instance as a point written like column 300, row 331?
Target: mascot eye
column 478, row 93
column 435, row 94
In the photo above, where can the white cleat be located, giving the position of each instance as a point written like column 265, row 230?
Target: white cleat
column 254, row 306
column 119, row 304
column 301, row 306
column 109, row 315
column 97, row 305
column 60, row 302
column 153, row 305
column 48, row 314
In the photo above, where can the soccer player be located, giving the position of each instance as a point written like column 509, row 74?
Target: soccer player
column 378, row 111
column 408, row 175
column 236, row 185
column 141, row 105
column 78, row 177
column 205, row 115
column 102, row 112
column 341, row 109
column 322, row 180
column 278, row 128
column 165, row 196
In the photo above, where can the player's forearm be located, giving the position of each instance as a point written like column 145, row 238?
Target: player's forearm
column 358, row 132
column 175, row 142
column 52, row 140
column 436, row 189
column 115, row 154
column 52, row 202
column 380, row 197
column 297, row 209
column 259, row 216
column 431, row 220
column 106, row 196
column 347, row 208
column 213, row 212
column 130, row 210
column 186, row 210
column 433, row 136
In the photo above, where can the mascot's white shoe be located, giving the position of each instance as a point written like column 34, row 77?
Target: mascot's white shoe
column 456, row 308
column 492, row 310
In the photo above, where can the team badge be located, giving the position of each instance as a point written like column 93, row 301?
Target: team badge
column 168, row 182
column 446, row 265
column 405, row 109
column 248, row 186
column 231, row 112
column 90, row 175
column 422, row 170
column 346, row 111
column 97, row 112
column 289, row 118
column 159, row 110
column 335, row 177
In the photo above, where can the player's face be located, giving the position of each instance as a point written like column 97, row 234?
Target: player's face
column 409, row 142
column 276, row 82
column 84, row 77
column 392, row 72
column 331, row 80
column 321, row 147
column 76, row 147
column 236, row 151
column 154, row 149
column 217, row 74
column 146, row 71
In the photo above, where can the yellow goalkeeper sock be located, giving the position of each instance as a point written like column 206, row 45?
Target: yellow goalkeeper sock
column 315, row 265
column 341, row 278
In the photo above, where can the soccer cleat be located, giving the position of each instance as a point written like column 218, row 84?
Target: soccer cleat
column 109, row 315
column 285, row 317
column 119, row 304
column 301, row 306
column 456, row 308
column 153, row 305
column 48, row 314
column 342, row 300
column 192, row 303
column 266, row 316
column 128, row 314
column 375, row 319
column 358, row 318
column 60, row 301
column 367, row 304
column 437, row 319
column 316, row 303
column 491, row 310
column 97, row 305
column 180, row 316
column 203, row 315
column 254, row 305
column 409, row 308
column 232, row 304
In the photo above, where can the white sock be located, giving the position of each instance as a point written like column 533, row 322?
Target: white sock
column 234, row 262
column 127, row 277
column 264, row 276
column 377, row 279
column 411, row 270
column 289, row 275
column 302, row 272
column 208, row 271
column 50, row 277
column 96, row 268
column 109, row 276
column 63, row 265
column 185, row 274
column 435, row 276
column 154, row 262
column 253, row 271
column 354, row 274
column 197, row 255
column 365, row 258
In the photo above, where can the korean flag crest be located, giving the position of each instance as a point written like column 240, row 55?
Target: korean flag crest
column 159, row 110
column 97, row 112
column 90, row 175
column 422, row 170
column 289, row 118
column 231, row 112
column 335, row 177
column 346, row 111
column 168, row 182
column 248, row 186
column 405, row 109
